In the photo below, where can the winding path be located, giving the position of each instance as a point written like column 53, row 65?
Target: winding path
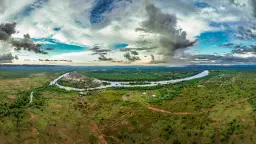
column 123, row 84
column 172, row 113
column 199, row 112
column 31, row 97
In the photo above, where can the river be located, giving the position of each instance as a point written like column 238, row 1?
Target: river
column 125, row 84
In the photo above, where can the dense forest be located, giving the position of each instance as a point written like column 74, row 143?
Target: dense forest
column 140, row 75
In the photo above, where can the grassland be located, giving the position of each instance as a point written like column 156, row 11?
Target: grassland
column 219, row 108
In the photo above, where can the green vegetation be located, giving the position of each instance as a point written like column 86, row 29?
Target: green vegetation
column 13, row 75
column 150, row 75
column 219, row 108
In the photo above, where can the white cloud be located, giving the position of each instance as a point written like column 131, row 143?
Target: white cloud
column 11, row 8
column 212, row 14
column 5, row 47
column 245, row 55
column 194, row 26
column 73, row 19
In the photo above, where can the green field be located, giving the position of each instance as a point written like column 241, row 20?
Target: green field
column 219, row 108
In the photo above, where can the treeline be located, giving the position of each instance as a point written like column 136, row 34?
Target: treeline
column 140, row 76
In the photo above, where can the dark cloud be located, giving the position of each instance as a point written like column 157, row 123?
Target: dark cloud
column 134, row 53
column 7, row 57
column 26, row 43
column 245, row 33
column 171, row 38
column 4, row 36
column 158, row 22
column 98, row 50
column 239, row 49
column 6, row 30
column 104, row 58
column 130, row 57
column 152, row 57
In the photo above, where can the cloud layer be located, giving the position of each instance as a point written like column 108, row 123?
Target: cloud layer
column 141, row 31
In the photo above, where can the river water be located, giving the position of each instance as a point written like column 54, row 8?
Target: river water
column 126, row 84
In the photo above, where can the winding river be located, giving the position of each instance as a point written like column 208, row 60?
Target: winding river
column 126, row 84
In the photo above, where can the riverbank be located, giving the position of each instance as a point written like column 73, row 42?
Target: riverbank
column 126, row 84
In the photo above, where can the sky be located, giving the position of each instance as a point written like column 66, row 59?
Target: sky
column 128, row 32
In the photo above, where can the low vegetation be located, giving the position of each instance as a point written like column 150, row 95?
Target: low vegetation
column 219, row 108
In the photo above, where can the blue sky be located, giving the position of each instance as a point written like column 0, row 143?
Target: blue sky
column 58, row 47
column 201, row 4
column 72, row 28
column 210, row 42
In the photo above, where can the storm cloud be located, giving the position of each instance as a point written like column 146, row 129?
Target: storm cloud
column 6, row 30
column 171, row 38
column 8, row 57
column 25, row 43
column 99, row 50
column 131, row 57
column 104, row 58
column 152, row 57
